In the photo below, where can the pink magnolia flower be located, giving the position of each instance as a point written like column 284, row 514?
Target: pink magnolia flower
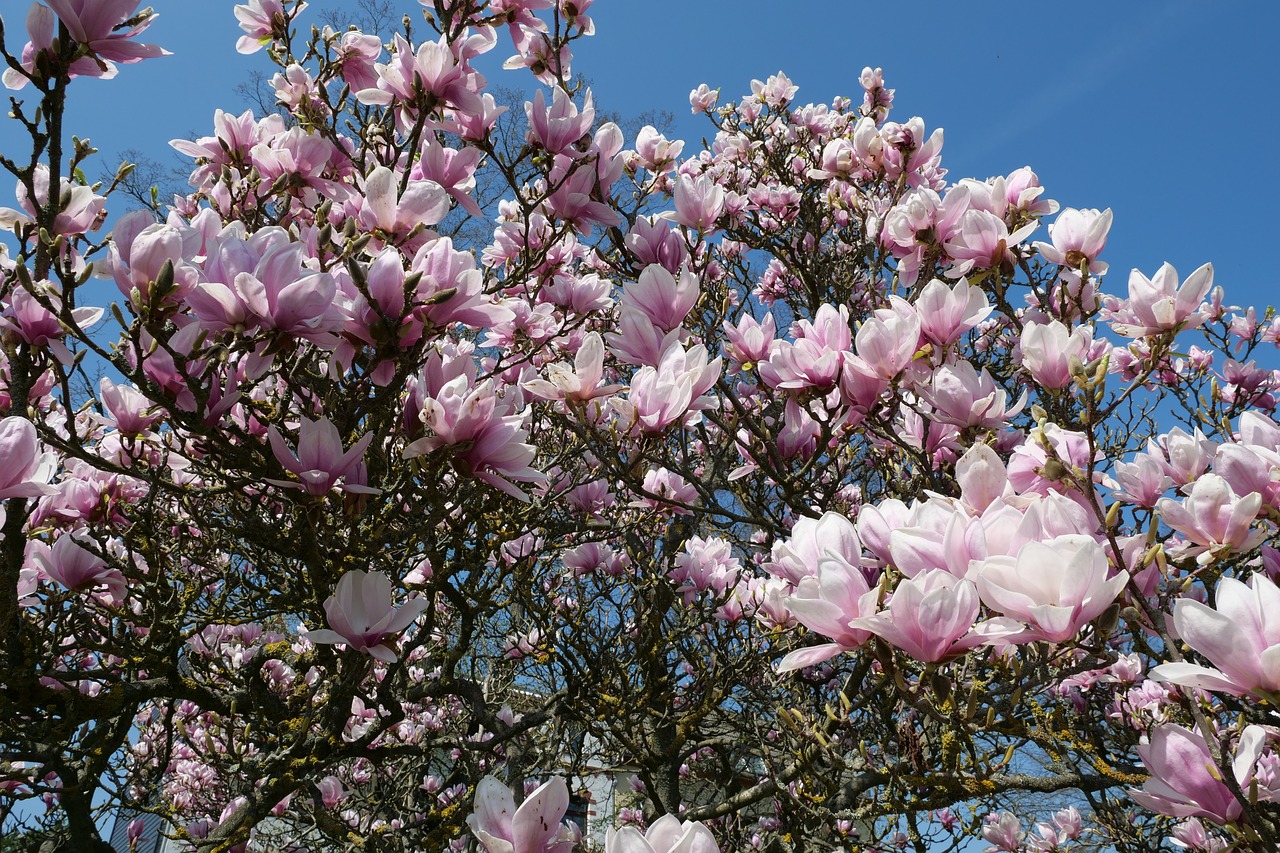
column 1055, row 587
column 128, row 410
column 965, row 398
column 670, row 492
column 1023, row 192
column 703, row 98
column 485, row 440
column 1078, row 236
column 41, row 26
column 657, row 153
column 706, row 564
column 534, row 827
column 888, row 341
column 451, row 169
column 27, row 469
column 816, row 358
column 549, row 62
column 581, row 381
column 1185, row 781
column 140, row 258
column 320, row 461
column 80, row 209
column 332, row 791
column 37, row 326
column 361, row 615
column 1214, row 517
column 1240, row 636
column 946, row 313
column 356, row 55
column 431, row 75
column 452, row 289
column 1047, row 351
column 827, row 603
column 1142, row 481
column 99, row 25
column 654, row 241
column 397, row 216
column 667, row 834
column 1004, row 831
column 930, row 617
column 1159, row 304
column 982, row 477
column 699, row 202
column 663, row 395
column 665, row 299
column 557, row 128
column 750, row 340
column 1183, row 456
column 276, row 293
column 262, row 21
column 638, row 341
column 983, row 242
column 938, row 540
column 813, row 540
column 76, row 567
column 1029, row 471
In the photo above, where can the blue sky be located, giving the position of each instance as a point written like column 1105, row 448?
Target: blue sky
column 1163, row 111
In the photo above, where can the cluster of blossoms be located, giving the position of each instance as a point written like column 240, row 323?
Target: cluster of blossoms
column 443, row 440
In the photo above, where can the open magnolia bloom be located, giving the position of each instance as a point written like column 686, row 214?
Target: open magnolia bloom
column 28, row 468
column 1185, row 781
column 535, row 827
column 667, row 835
column 1055, row 587
column 1241, row 637
column 362, row 616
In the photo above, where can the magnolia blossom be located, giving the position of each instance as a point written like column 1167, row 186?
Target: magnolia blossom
column 361, row 615
column 431, row 72
column 887, row 342
column 535, row 827
column 99, row 25
column 398, row 215
column 699, row 202
column 262, row 20
column 80, row 210
column 1049, row 349
column 827, row 603
column 1240, row 636
column 982, row 477
column 76, row 567
column 1078, row 236
column 667, row 834
column 1214, row 517
column 581, row 381
column 558, row 127
column 1159, row 304
column 1185, row 781
column 26, row 316
column 750, row 340
column 663, row 395
column 320, row 461
column 963, row 397
column 663, row 298
column 816, row 357
column 1056, row 587
column 930, row 617
column 811, row 541
column 27, row 469
column 486, row 441
column 947, row 312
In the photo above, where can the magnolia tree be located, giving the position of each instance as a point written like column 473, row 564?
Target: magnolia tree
column 790, row 478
